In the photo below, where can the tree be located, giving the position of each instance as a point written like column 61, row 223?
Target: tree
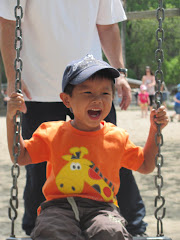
column 141, row 5
column 141, row 44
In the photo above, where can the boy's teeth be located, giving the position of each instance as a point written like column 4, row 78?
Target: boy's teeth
column 94, row 112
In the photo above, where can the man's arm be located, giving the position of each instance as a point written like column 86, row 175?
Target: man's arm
column 7, row 37
column 151, row 149
column 111, row 44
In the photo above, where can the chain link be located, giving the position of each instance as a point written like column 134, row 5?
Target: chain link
column 159, row 160
column 15, row 170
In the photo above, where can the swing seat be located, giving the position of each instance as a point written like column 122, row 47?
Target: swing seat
column 151, row 238
column 12, row 238
column 134, row 238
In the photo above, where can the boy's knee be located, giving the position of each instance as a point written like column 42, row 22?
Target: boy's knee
column 107, row 227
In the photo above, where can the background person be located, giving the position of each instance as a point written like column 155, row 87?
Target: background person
column 164, row 93
column 54, row 33
column 5, row 96
column 149, row 80
column 176, row 104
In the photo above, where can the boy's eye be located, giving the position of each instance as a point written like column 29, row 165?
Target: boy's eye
column 105, row 93
column 87, row 92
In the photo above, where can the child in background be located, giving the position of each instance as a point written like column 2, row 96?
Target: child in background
column 143, row 100
column 176, row 104
column 84, row 156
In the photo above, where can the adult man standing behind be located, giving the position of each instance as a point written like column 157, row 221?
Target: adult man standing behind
column 55, row 33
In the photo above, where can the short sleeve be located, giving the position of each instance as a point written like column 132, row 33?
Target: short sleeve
column 7, row 8
column 38, row 145
column 110, row 12
column 177, row 95
column 133, row 156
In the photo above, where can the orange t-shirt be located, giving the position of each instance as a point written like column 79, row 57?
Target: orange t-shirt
column 83, row 164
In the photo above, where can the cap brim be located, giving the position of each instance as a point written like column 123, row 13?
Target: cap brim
column 88, row 72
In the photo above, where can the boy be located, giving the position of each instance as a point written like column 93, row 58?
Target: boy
column 84, row 156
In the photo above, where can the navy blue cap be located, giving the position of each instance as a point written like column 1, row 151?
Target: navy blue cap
column 80, row 70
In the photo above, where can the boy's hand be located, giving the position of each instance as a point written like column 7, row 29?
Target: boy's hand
column 159, row 116
column 15, row 103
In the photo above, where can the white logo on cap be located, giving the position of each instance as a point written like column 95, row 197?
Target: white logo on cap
column 88, row 60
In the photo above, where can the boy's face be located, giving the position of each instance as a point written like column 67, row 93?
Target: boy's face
column 91, row 102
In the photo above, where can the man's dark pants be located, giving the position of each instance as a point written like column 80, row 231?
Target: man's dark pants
column 129, row 199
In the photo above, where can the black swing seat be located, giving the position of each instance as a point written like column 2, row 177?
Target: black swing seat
column 134, row 238
column 151, row 238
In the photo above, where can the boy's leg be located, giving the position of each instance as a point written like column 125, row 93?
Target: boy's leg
column 100, row 220
column 57, row 221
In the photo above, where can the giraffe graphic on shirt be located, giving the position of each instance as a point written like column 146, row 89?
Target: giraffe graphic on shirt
column 78, row 171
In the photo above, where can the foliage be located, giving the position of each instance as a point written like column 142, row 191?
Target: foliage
column 141, row 44
column 172, row 71
column 141, row 5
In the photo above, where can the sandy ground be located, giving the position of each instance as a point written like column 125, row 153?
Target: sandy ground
column 138, row 130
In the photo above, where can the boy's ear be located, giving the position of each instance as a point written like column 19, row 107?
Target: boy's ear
column 65, row 98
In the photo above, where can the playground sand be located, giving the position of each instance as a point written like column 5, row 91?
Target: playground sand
column 138, row 130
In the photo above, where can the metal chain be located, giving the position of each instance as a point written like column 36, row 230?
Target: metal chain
column 15, row 170
column 159, row 160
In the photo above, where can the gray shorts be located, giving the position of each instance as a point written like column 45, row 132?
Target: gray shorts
column 82, row 220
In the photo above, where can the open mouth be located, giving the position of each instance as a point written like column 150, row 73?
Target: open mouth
column 94, row 113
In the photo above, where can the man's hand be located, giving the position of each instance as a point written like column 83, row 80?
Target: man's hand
column 124, row 91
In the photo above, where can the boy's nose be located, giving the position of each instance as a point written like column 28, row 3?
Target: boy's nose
column 97, row 99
